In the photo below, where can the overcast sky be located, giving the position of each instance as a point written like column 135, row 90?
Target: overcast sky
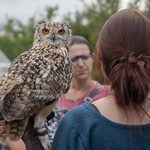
column 25, row 9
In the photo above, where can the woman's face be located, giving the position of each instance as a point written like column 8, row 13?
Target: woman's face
column 82, row 61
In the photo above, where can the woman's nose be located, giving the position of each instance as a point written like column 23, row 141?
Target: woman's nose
column 80, row 62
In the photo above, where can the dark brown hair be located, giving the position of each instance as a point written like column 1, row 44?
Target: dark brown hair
column 77, row 39
column 123, row 47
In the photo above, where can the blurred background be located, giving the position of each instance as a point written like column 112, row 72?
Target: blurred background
column 86, row 17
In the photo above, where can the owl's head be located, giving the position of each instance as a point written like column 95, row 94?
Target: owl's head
column 54, row 33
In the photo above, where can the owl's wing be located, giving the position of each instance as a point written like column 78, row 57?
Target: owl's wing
column 10, row 78
column 14, row 77
column 15, row 73
column 30, row 86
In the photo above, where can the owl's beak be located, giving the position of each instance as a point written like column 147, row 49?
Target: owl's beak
column 53, row 37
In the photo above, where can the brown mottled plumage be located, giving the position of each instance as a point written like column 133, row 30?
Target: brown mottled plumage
column 39, row 75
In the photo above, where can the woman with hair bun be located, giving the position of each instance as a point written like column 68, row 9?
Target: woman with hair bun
column 120, row 120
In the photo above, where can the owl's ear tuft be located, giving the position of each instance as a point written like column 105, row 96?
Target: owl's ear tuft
column 67, row 25
column 40, row 22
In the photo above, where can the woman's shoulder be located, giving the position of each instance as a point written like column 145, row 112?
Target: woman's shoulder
column 83, row 108
column 103, row 91
column 112, row 112
column 102, row 87
column 81, row 112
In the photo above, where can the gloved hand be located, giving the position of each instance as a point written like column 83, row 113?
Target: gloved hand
column 30, row 136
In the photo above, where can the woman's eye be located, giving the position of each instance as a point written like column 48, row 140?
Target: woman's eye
column 61, row 32
column 84, row 57
column 45, row 31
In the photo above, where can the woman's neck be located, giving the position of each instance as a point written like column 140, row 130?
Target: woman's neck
column 81, row 84
column 125, row 115
column 78, row 89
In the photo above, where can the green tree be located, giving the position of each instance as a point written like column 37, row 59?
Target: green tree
column 16, row 37
column 88, row 22
column 142, row 5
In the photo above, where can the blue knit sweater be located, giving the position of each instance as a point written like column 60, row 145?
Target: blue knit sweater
column 84, row 128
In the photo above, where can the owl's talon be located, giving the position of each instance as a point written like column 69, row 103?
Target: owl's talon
column 45, row 142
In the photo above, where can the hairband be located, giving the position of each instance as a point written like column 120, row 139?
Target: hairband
column 126, row 55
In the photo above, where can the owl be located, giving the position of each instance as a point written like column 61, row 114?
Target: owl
column 34, row 82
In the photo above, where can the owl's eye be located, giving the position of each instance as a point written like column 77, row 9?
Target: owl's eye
column 45, row 31
column 61, row 32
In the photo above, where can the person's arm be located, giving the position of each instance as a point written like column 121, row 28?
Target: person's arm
column 17, row 145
